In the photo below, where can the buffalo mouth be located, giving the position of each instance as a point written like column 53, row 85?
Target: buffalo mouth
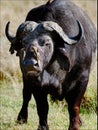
column 31, row 66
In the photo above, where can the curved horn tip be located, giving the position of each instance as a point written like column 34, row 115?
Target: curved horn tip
column 8, row 22
column 8, row 35
column 80, row 27
column 7, row 27
column 76, row 38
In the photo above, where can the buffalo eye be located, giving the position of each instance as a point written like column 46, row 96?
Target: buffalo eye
column 41, row 42
column 47, row 44
column 44, row 42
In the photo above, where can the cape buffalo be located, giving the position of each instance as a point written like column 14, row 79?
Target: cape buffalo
column 56, row 46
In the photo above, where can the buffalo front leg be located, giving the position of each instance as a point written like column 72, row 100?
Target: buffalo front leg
column 42, row 110
column 74, row 100
column 23, row 114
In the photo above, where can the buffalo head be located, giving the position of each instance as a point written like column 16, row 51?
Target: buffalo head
column 36, row 43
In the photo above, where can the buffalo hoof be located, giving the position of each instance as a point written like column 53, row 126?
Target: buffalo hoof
column 22, row 118
column 43, row 128
column 73, row 128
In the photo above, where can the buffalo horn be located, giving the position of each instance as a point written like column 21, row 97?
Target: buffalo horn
column 52, row 26
column 9, row 36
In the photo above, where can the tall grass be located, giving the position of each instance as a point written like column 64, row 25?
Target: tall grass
column 10, row 74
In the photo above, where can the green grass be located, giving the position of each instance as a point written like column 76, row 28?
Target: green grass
column 11, row 100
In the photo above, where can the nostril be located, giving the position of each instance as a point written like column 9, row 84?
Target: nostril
column 36, row 64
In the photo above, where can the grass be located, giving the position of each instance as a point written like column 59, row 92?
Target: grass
column 11, row 100
column 10, row 76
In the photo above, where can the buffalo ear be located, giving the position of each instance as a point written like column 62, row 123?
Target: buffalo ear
column 49, row 2
column 15, row 47
column 12, row 49
column 63, row 59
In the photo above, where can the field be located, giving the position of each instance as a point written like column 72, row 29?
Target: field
column 15, row 11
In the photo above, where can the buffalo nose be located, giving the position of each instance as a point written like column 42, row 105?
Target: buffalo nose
column 30, row 62
column 27, row 62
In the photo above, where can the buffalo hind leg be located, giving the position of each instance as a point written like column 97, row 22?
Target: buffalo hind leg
column 42, row 110
column 74, row 117
column 74, row 100
column 23, row 114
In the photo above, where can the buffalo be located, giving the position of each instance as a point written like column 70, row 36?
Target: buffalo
column 56, row 46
